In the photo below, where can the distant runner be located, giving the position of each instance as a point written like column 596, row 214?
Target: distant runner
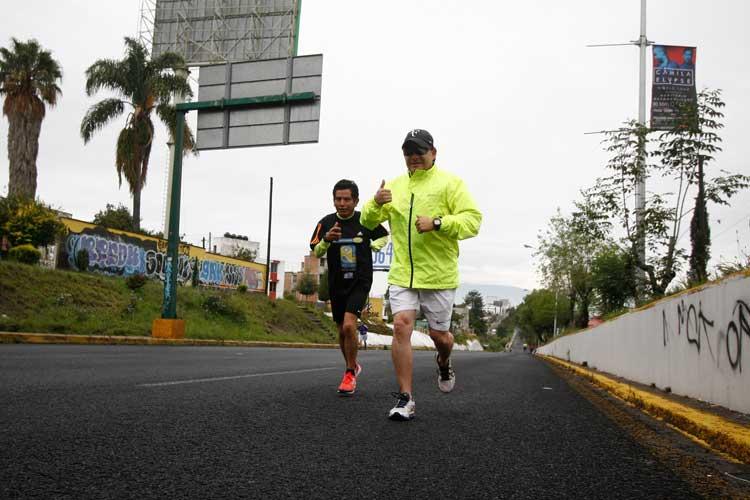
column 363, row 335
column 348, row 246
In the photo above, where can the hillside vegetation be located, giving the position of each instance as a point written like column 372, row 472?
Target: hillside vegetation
column 33, row 299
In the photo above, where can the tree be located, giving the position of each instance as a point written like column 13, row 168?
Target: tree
column 146, row 86
column 306, row 285
column 115, row 218
column 243, row 253
column 685, row 152
column 681, row 152
column 475, row 302
column 28, row 81
column 613, row 279
column 566, row 252
column 535, row 316
column 323, row 292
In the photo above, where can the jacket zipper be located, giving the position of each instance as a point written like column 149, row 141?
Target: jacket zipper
column 411, row 258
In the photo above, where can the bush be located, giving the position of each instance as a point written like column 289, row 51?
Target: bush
column 242, row 288
column 135, row 281
column 217, row 304
column 82, row 260
column 28, row 222
column 25, row 254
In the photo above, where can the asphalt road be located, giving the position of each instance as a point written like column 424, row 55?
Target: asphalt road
column 141, row 422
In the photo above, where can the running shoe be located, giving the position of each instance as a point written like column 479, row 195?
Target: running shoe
column 405, row 408
column 446, row 376
column 348, row 384
column 357, row 370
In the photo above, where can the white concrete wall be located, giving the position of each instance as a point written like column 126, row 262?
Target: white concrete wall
column 697, row 343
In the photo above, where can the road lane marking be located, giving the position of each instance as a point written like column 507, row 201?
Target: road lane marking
column 234, row 377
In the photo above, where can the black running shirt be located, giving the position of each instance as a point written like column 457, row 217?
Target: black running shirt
column 350, row 258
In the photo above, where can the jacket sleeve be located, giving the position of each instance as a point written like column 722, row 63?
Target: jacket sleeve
column 464, row 218
column 317, row 235
column 321, row 248
column 372, row 214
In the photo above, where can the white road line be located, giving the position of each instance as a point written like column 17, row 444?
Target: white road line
column 234, row 377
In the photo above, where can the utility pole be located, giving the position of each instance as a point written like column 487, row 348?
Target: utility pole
column 640, row 193
column 268, row 246
column 640, row 190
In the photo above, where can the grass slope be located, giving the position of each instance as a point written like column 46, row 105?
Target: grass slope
column 34, row 299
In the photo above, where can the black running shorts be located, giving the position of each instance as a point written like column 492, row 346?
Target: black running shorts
column 352, row 302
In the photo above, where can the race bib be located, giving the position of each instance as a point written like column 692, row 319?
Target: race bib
column 348, row 257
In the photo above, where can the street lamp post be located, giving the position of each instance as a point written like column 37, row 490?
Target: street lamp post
column 554, row 327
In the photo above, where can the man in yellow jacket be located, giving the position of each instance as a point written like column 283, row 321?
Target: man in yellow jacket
column 428, row 211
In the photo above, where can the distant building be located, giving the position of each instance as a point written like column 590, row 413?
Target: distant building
column 462, row 325
column 275, row 278
column 230, row 246
column 311, row 265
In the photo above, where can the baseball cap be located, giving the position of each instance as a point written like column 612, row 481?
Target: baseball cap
column 420, row 137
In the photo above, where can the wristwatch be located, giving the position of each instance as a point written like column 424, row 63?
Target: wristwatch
column 436, row 223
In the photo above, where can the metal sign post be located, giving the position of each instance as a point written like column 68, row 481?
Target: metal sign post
column 169, row 307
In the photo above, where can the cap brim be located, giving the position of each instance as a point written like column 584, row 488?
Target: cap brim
column 418, row 141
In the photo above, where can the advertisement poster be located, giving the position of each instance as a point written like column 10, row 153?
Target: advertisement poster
column 673, row 85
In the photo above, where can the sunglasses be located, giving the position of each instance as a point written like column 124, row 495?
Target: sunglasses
column 413, row 149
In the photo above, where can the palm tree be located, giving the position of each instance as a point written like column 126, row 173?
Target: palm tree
column 144, row 86
column 28, row 80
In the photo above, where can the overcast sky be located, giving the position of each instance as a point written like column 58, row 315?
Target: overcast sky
column 507, row 89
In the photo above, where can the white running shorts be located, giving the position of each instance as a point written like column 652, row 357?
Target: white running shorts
column 437, row 305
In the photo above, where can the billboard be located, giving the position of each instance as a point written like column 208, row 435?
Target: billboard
column 212, row 31
column 673, row 84
column 272, row 124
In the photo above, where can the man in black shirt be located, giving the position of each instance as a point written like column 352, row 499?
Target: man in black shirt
column 348, row 246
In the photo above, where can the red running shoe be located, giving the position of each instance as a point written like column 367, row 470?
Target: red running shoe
column 348, row 384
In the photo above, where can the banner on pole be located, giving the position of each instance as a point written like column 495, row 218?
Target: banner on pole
column 673, row 87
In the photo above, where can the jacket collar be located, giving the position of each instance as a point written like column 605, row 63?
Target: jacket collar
column 420, row 174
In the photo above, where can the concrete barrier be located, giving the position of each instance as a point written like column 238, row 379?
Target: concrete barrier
column 695, row 344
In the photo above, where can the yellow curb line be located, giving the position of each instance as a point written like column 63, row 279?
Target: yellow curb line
column 721, row 434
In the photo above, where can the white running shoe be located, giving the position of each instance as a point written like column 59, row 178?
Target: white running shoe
column 446, row 376
column 405, row 408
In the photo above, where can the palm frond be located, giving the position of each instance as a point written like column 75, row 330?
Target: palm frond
column 99, row 115
column 107, row 74
column 166, row 84
column 128, row 158
column 168, row 115
column 28, row 78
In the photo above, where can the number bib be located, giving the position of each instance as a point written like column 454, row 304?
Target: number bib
column 348, row 257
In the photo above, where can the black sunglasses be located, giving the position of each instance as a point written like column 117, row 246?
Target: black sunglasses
column 413, row 149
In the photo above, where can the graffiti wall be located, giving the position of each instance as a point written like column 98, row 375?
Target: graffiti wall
column 696, row 343
column 121, row 253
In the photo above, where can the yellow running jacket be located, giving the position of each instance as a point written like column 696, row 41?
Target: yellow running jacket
column 427, row 260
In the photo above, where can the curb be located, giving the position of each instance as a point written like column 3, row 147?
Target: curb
column 719, row 433
column 62, row 338
column 56, row 338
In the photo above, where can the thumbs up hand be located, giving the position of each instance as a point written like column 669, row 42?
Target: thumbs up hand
column 333, row 234
column 383, row 195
